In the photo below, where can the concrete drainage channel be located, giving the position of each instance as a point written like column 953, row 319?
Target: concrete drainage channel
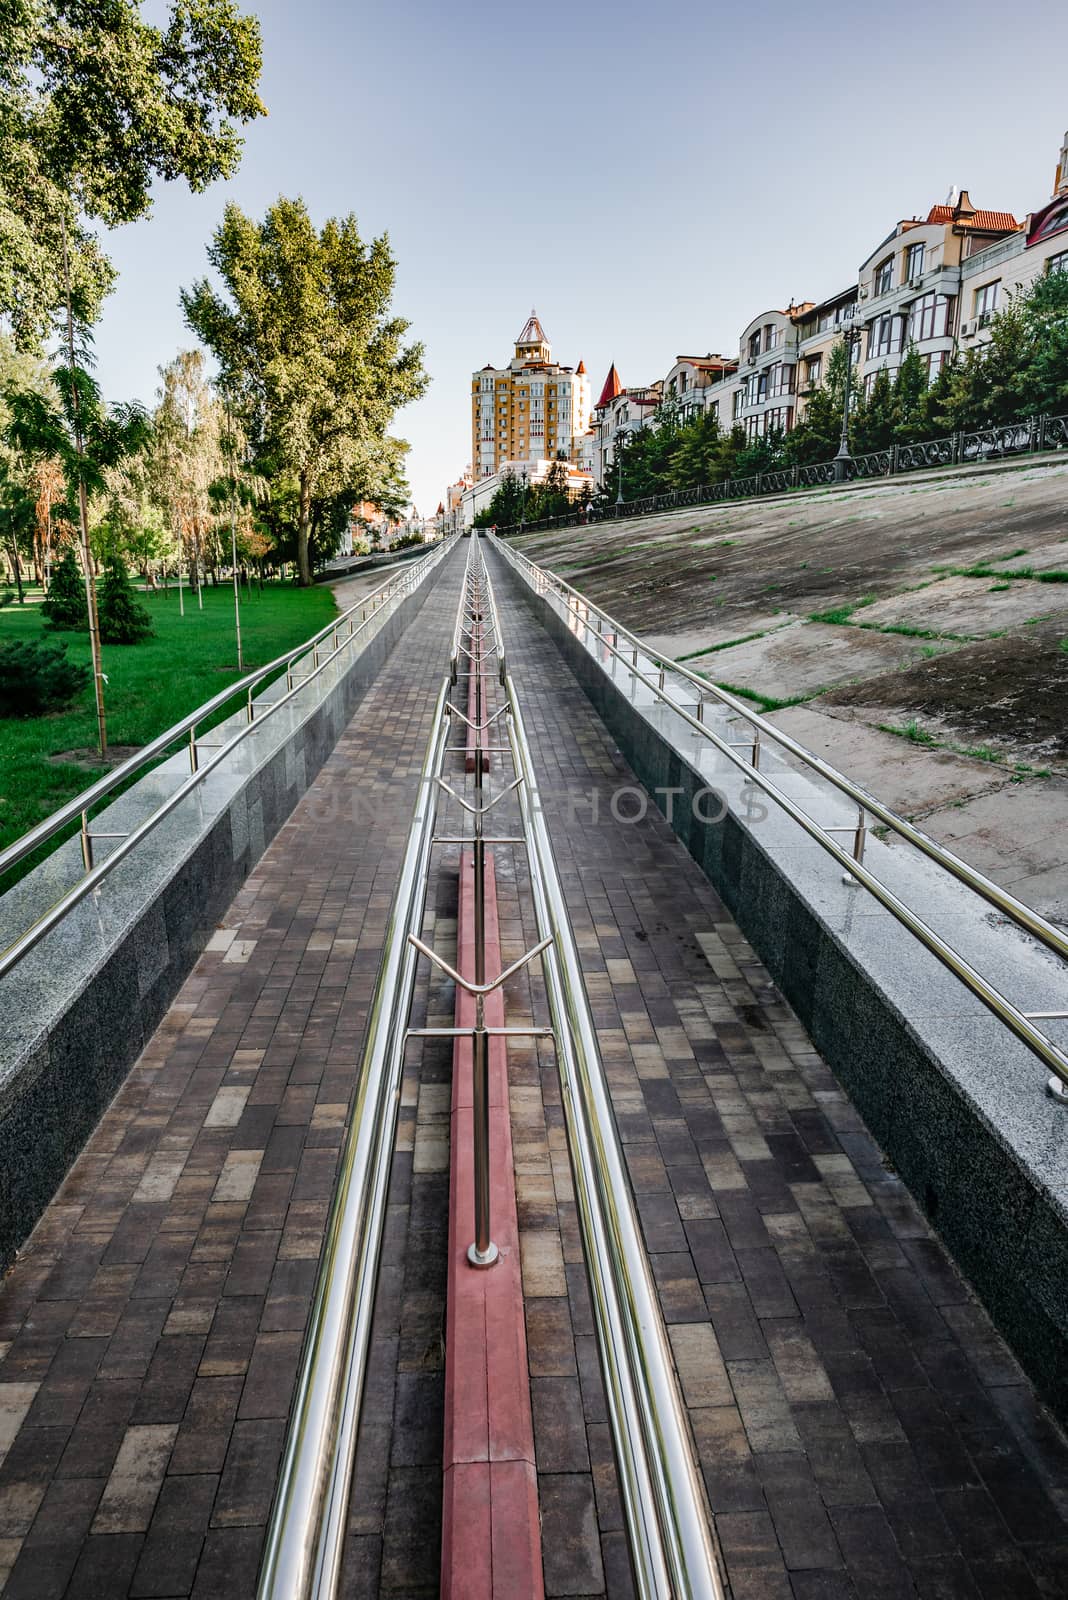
column 86, row 973
column 957, row 1101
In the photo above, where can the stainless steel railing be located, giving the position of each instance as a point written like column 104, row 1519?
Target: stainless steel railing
column 585, row 616
column 341, row 632
column 668, row 1525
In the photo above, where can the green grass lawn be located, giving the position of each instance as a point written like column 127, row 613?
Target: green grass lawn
column 150, row 685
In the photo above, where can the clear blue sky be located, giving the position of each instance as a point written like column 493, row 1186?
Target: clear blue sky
column 648, row 176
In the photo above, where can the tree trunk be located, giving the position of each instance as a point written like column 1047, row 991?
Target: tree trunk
column 304, row 576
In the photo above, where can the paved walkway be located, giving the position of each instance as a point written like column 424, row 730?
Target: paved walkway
column 862, row 1430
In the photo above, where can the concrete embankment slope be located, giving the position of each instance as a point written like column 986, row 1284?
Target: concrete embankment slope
column 915, row 633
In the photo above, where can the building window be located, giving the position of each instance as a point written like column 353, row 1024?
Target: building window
column 935, row 362
column 884, row 276
column 914, row 261
column 774, row 337
column 884, row 336
column 713, row 410
column 1058, row 263
column 738, row 403
column 814, row 371
column 929, row 318
column 782, row 378
column 754, row 344
column 986, row 301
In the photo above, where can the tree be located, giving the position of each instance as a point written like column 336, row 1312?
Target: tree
column 36, row 676
column 16, row 522
column 64, row 606
column 818, row 434
column 910, row 398
column 86, row 437
column 872, row 421
column 308, row 352
column 187, row 458
column 123, row 620
column 95, row 105
column 1044, row 380
column 690, row 466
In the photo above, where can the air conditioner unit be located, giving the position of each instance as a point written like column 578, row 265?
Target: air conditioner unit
column 914, row 283
column 967, row 329
column 862, row 294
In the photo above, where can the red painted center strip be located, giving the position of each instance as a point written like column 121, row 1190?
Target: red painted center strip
column 472, row 704
column 491, row 1535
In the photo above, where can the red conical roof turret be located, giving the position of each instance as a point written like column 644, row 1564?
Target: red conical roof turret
column 613, row 385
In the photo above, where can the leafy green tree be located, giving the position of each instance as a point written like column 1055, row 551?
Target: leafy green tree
column 87, row 438
column 64, row 606
column 95, row 105
column 1044, row 380
column 314, row 362
column 509, row 505
column 123, row 619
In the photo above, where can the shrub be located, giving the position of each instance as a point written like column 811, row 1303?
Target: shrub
column 123, row 620
column 64, row 606
column 36, row 676
column 7, row 596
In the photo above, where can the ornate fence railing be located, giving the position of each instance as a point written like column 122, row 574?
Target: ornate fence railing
column 956, row 449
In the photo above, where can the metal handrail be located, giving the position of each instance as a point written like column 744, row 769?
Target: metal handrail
column 125, row 843
column 668, row 1525
column 305, row 1537
column 73, row 809
column 1020, row 1022
column 666, row 1516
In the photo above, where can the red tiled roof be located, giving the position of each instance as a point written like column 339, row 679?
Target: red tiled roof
column 984, row 221
column 613, row 385
column 581, row 367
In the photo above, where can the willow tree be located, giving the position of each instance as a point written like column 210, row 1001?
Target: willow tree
column 309, row 353
column 96, row 104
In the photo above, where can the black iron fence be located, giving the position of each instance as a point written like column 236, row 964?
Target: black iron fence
column 956, row 449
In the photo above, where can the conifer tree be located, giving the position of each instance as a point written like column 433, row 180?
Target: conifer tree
column 64, row 605
column 123, row 619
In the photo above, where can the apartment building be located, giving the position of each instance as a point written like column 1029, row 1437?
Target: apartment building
column 531, row 410
column 764, row 397
column 819, row 327
column 695, row 384
column 1010, row 267
column 909, row 287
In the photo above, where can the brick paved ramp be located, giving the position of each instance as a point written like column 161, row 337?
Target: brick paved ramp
column 862, row 1430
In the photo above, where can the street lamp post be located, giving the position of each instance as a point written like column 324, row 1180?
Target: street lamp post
column 523, row 501
column 843, row 458
column 619, row 461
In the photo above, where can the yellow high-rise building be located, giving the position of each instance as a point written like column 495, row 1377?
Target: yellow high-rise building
column 531, row 410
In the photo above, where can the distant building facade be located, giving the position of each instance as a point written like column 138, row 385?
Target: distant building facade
column 532, row 410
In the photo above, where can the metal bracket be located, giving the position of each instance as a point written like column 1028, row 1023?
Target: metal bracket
column 478, row 989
